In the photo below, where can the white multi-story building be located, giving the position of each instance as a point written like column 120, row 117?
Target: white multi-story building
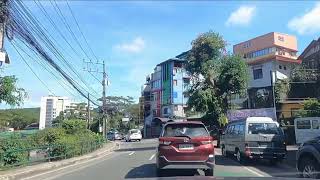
column 50, row 108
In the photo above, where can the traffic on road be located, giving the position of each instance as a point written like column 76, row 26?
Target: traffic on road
column 135, row 160
column 159, row 90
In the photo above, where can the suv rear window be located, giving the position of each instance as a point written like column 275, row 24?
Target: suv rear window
column 191, row 130
column 263, row 128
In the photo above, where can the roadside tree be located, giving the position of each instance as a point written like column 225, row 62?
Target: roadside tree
column 215, row 76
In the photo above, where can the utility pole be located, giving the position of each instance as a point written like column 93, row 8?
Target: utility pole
column 104, row 84
column 3, row 10
column 88, row 112
column 104, row 116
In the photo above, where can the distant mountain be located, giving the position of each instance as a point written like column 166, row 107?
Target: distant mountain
column 19, row 118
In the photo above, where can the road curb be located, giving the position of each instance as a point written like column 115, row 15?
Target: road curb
column 27, row 171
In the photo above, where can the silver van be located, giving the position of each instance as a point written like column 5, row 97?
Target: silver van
column 254, row 138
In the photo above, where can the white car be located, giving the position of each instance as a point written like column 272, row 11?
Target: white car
column 134, row 135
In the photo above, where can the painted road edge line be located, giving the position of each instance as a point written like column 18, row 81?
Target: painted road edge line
column 103, row 154
column 152, row 157
column 64, row 167
column 253, row 171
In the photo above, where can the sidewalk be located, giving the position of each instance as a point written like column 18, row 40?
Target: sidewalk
column 26, row 171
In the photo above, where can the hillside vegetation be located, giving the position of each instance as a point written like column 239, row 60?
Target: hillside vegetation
column 19, row 118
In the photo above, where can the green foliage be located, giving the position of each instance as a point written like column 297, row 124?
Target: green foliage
column 49, row 135
column 73, row 126
column 215, row 75
column 72, row 139
column 281, row 90
column 10, row 93
column 10, row 150
column 311, row 108
column 19, row 118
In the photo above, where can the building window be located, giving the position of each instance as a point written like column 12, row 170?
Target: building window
column 280, row 67
column 186, row 80
column 257, row 74
column 285, row 67
column 175, row 82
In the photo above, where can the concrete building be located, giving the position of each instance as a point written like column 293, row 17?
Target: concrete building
column 164, row 94
column 175, row 81
column 50, row 108
column 311, row 55
column 270, row 57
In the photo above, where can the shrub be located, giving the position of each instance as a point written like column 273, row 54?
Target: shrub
column 73, row 126
column 12, row 150
column 48, row 136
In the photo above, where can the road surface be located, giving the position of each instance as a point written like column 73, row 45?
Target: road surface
column 137, row 160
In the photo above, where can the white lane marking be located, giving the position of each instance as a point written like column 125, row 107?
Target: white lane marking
column 253, row 171
column 131, row 153
column 152, row 157
column 68, row 166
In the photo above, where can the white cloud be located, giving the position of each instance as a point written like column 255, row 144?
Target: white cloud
column 136, row 46
column 307, row 23
column 242, row 16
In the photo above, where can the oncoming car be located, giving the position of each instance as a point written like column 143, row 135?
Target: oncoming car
column 185, row 145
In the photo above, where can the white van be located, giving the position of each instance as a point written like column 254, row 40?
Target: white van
column 306, row 128
column 254, row 138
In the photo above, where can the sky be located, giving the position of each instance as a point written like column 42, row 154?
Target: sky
column 132, row 37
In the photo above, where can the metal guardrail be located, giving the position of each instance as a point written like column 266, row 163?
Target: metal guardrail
column 28, row 156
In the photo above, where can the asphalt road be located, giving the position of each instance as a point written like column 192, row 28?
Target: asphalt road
column 137, row 160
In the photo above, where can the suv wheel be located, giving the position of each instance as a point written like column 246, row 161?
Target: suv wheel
column 208, row 172
column 309, row 168
column 239, row 157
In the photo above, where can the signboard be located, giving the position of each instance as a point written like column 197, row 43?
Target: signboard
column 234, row 115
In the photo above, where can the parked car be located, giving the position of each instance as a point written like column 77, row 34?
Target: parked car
column 114, row 135
column 308, row 158
column 110, row 135
column 254, row 138
column 134, row 135
column 185, row 145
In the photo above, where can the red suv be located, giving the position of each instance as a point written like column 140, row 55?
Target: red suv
column 185, row 145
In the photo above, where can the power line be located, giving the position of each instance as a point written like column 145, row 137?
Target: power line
column 43, row 83
column 21, row 30
column 81, row 31
column 50, row 72
column 40, row 6
column 54, row 49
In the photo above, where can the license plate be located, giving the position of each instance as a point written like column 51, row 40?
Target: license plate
column 185, row 146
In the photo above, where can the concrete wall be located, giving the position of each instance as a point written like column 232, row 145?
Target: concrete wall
column 266, row 80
